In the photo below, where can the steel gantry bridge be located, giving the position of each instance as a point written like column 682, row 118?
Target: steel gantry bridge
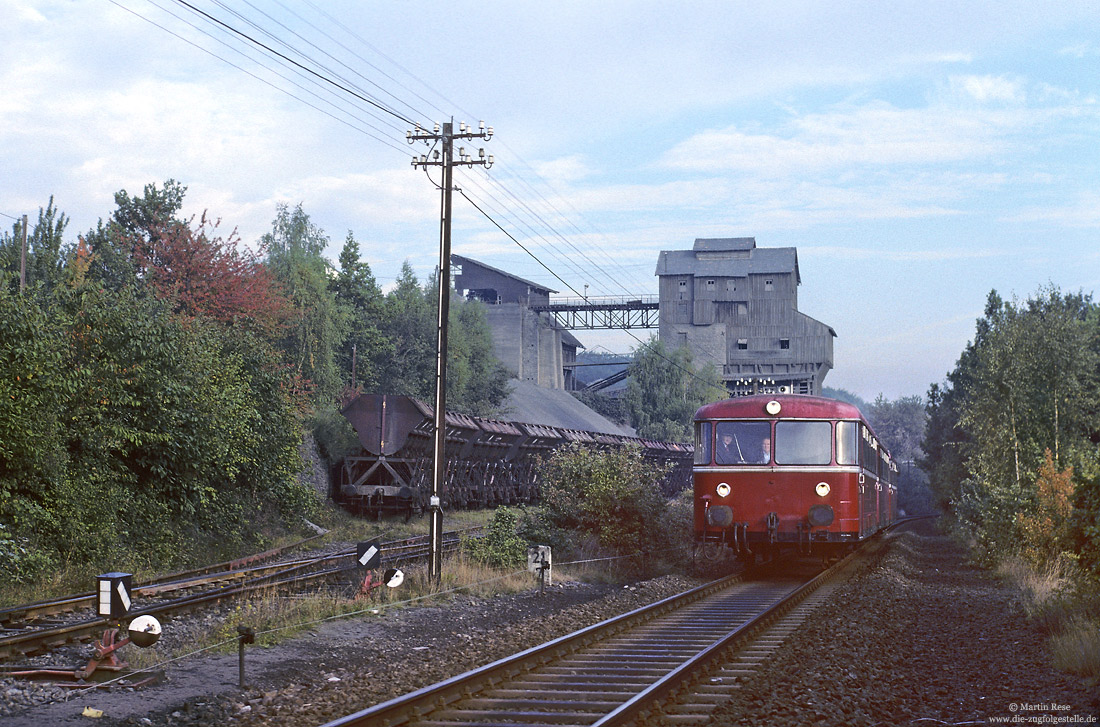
column 603, row 313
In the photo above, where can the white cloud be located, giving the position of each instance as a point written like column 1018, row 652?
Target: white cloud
column 874, row 135
column 1083, row 49
column 1082, row 210
column 986, row 89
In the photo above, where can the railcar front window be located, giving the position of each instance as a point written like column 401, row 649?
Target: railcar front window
column 743, row 443
column 847, row 443
column 702, row 442
column 803, row 443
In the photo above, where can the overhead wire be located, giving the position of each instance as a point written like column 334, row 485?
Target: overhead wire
column 625, row 273
column 257, row 77
column 307, row 59
column 320, row 76
column 331, row 98
column 346, row 87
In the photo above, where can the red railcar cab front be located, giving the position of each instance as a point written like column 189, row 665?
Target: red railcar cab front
column 789, row 469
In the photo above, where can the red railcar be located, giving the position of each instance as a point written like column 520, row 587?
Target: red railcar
column 777, row 471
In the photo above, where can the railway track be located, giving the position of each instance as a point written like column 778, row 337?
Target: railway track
column 36, row 629
column 677, row 658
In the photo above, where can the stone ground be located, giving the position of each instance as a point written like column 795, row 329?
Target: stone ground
column 920, row 637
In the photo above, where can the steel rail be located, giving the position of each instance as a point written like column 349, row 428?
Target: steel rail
column 483, row 689
column 282, row 576
column 401, row 709
column 67, row 604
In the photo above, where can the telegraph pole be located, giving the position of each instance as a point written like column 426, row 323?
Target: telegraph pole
column 443, row 157
column 23, row 259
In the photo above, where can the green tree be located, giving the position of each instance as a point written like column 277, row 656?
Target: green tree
column 130, row 234
column 46, row 250
column 477, row 383
column 664, row 390
column 1026, row 384
column 295, row 254
column 367, row 346
column 410, row 320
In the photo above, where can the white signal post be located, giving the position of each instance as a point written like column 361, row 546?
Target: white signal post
column 444, row 158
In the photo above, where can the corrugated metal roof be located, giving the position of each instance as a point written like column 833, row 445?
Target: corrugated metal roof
column 461, row 260
column 704, row 263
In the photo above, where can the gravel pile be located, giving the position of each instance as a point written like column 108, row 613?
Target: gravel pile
column 920, row 638
column 16, row 695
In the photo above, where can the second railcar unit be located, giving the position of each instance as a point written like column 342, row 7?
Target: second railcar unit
column 779, row 471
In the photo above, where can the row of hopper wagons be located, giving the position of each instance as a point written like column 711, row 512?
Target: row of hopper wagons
column 490, row 462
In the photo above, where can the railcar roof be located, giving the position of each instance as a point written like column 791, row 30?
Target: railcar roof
column 795, row 406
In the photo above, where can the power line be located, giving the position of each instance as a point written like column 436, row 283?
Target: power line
column 254, row 75
column 512, row 205
column 274, row 52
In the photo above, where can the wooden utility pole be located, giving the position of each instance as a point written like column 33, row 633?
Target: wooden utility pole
column 23, row 259
column 443, row 157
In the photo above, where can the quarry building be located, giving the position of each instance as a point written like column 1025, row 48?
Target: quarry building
column 735, row 305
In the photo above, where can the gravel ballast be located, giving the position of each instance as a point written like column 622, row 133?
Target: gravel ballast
column 919, row 637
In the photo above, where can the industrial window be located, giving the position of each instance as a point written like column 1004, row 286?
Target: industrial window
column 742, row 309
column 768, row 284
column 710, row 285
column 784, row 343
column 683, row 288
column 742, row 344
column 803, row 442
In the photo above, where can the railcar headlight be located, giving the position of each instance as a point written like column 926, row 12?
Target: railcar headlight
column 822, row 489
column 723, row 490
column 820, row 516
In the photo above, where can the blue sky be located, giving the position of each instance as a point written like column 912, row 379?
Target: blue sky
column 918, row 155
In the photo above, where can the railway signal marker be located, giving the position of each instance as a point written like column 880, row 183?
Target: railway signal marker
column 114, row 594
column 369, row 554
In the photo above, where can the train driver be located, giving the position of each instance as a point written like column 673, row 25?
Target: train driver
column 731, row 449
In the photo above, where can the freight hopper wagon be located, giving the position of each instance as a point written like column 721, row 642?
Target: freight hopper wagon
column 489, row 462
column 783, row 471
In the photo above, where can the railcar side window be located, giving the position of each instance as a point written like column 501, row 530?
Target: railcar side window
column 803, row 442
column 847, row 443
column 702, row 442
column 743, row 443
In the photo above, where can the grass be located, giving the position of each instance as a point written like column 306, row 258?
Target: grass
column 1067, row 609
column 275, row 617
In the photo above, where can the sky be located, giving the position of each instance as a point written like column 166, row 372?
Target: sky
column 917, row 155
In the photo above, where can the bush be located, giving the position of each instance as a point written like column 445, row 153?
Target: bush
column 19, row 561
column 501, row 547
column 612, row 494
